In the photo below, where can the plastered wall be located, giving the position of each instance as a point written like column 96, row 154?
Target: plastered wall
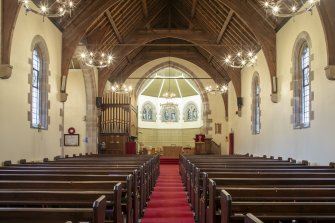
column 75, row 111
column 277, row 136
column 17, row 139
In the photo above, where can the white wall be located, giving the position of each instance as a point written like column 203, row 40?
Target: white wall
column 277, row 135
column 75, row 111
column 18, row 140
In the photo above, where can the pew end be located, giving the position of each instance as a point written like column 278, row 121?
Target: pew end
column 226, row 203
column 118, row 216
column 7, row 163
column 22, row 161
column 305, row 162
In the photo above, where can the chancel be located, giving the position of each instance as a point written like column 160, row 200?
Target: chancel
column 167, row 111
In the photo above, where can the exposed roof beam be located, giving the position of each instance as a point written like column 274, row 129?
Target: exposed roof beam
column 328, row 23
column 147, row 23
column 116, row 30
column 77, row 27
column 191, row 24
column 225, row 26
column 144, row 36
column 10, row 11
column 264, row 33
column 261, row 13
column 194, row 6
column 145, row 8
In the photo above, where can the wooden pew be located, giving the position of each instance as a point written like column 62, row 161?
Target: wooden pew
column 71, row 186
column 229, row 165
column 55, row 215
column 195, row 189
column 140, row 183
column 146, row 178
column 232, row 211
column 64, row 199
column 273, row 194
column 220, row 183
column 94, row 164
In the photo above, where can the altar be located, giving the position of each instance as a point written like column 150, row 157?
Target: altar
column 172, row 151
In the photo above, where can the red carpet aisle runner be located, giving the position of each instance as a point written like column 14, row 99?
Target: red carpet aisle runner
column 168, row 202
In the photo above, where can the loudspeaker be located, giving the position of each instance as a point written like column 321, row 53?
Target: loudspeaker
column 239, row 102
column 98, row 102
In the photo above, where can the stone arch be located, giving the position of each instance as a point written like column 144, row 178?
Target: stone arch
column 205, row 101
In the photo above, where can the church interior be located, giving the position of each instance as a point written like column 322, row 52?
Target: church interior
column 162, row 101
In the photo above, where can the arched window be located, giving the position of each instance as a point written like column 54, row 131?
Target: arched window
column 39, row 84
column 255, row 106
column 170, row 113
column 190, row 112
column 302, row 77
column 305, row 83
column 148, row 112
column 36, row 91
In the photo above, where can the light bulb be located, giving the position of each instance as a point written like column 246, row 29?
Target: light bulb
column 82, row 55
column 70, row 4
column 294, row 8
column 43, row 8
column 61, row 9
column 275, row 9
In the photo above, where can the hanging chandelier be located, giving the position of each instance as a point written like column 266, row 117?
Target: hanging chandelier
column 217, row 89
column 169, row 95
column 96, row 59
column 240, row 60
column 58, row 8
column 279, row 8
column 121, row 88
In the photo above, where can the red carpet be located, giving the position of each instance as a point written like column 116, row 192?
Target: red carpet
column 169, row 160
column 168, row 202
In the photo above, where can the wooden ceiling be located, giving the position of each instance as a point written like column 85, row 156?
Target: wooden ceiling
column 227, row 30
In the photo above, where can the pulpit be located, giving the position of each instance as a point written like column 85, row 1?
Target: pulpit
column 202, row 144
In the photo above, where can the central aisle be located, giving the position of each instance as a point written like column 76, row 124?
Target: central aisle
column 168, row 202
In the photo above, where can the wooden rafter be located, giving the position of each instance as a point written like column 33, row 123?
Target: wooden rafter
column 147, row 23
column 262, row 13
column 10, row 11
column 77, row 27
column 115, row 29
column 224, row 26
column 191, row 24
column 145, row 8
column 146, row 55
column 328, row 21
column 144, row 36
column 264, row 33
